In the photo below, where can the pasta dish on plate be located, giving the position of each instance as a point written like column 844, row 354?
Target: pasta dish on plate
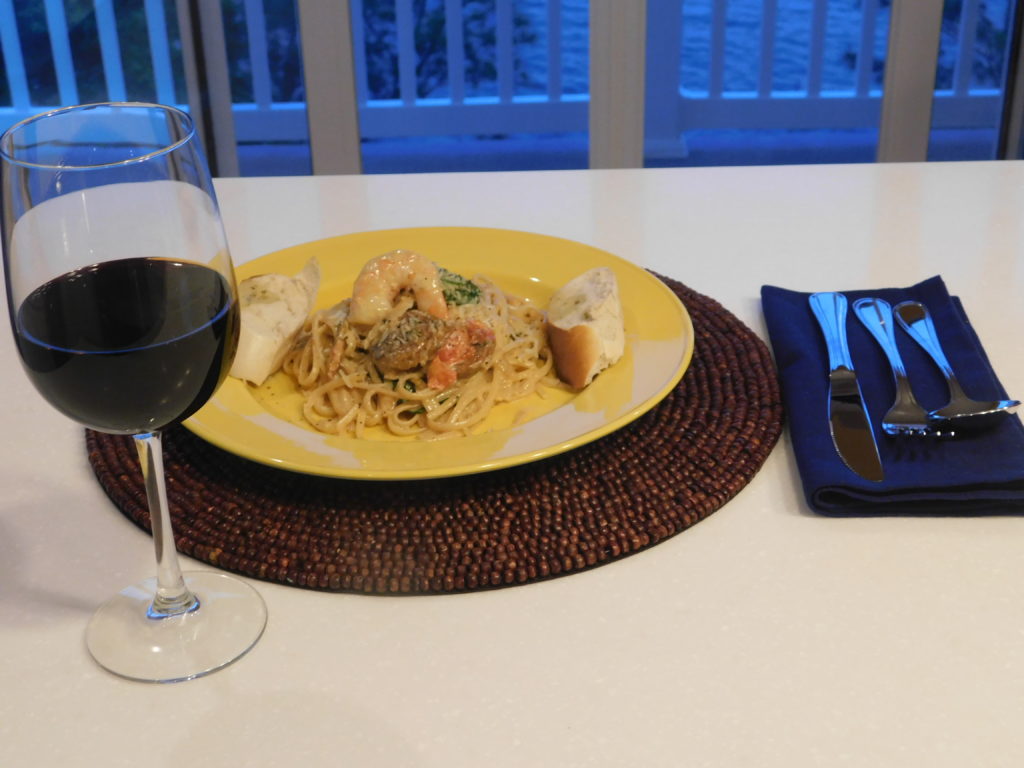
column 418, row 350
column 619, row 340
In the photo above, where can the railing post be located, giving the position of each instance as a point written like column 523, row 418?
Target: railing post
column 14, row 61
column 207, row 82
column 256, row 28
column 909, row 87
column 716, row 63
column 662, row 125
column 455, row 50
column 60, row 47
column 554, row 51
column 160, row 51
column 866, row 47
column 816, row 55
column 766, row 70
column 617, row 44
column 966, row 47
column 110, row 50
column 405, row 36
column 190, row 65
column 359, row 64
column 218, row 85
column 504, row 49
column 329, row 72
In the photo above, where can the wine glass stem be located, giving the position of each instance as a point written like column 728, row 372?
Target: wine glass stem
column 172, row 596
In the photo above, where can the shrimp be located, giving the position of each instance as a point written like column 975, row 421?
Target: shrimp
column 383, row 278
column 464, row 350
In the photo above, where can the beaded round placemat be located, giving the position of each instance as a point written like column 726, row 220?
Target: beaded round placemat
column 612, row 498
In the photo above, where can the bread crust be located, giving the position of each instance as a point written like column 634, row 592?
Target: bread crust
column 585, row 326
column 577, row 351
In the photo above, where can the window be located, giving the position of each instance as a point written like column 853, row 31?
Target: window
column 505, row 84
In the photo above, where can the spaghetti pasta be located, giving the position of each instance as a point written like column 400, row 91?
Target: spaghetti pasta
column 433, row 373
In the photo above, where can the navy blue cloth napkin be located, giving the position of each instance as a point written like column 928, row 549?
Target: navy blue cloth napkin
column 975, row 472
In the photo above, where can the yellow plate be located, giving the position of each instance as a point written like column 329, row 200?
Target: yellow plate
column 265, row 424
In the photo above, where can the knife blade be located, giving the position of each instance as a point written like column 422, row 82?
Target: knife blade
column 847, row 415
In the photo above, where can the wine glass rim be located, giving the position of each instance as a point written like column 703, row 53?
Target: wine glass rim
column 184, row 116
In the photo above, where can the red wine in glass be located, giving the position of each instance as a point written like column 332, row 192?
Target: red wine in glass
column 104, row 348
column 123, row 302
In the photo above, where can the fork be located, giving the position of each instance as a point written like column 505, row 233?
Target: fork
column 906, row 416
column 961, row 409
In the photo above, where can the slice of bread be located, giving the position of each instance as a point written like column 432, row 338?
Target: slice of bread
column 585, row 326
column 273, row 309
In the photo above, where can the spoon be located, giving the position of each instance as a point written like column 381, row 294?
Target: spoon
column 914, row 318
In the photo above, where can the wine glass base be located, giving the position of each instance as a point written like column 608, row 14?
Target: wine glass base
column 123, row 639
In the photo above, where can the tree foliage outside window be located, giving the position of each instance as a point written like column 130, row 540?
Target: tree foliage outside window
column 381, row 43
column 479, row 47
column 987, row 68
column 83, row 39
column 989, row 54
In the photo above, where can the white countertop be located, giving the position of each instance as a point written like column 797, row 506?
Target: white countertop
column 764, row 636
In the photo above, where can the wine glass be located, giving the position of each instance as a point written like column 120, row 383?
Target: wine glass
column 123, row 303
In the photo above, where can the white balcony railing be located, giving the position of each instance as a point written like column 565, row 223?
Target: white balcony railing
column 671, row 109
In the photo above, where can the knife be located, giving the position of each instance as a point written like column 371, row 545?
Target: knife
column 847, row 415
